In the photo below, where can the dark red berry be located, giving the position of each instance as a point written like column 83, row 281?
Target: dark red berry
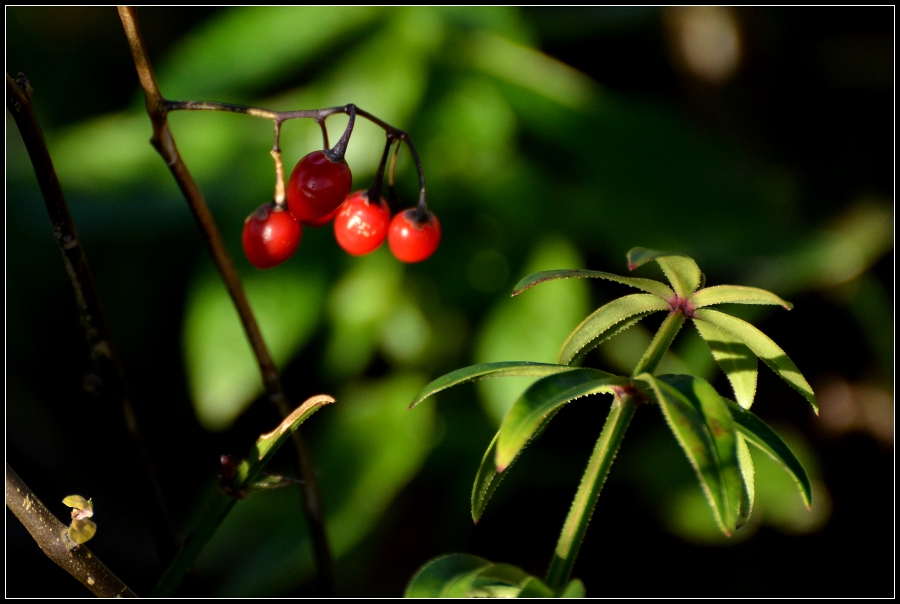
column 317, row 187
column 270, row 236
column 414, row 235
column 361, row 226
column 324, row 219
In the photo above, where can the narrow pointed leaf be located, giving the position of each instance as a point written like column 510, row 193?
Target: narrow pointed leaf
column 703, row 426
column 736, row 294
column 734, row 357
column 763, row 347
column 488, row 370
column 607, row 321
column 756, row 431
column 487, row 479
column 682, row 272
column 748, row 473
column 651, row 286
column 540, row 401
column 431, row 580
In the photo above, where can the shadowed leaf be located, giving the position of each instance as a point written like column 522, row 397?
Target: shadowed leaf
column 734, row 357
column 704, row 428
column 488, row 370
column 682, row 272
column 763, row 347
column 529, row 414
column 756, row 431
column 737, row 294
column 650, row 286
column 607, row 321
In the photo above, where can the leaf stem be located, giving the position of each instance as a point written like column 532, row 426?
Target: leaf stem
column 245, row 474
column 164, row 142
column 109, row 378
column 595, row 474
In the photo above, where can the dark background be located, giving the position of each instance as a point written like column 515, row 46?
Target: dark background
column 780, row 174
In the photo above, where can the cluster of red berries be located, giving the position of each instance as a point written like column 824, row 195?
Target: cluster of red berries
column 319, row 192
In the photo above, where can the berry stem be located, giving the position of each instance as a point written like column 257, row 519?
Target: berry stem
column 162, row 140
column 375, row 189
column 279, row 169
column 340, row 148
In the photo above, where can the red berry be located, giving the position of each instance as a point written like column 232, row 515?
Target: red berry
column 317, row 186
column 414, row 235
column 270, row 236
column 361, row 226
column 324, row 219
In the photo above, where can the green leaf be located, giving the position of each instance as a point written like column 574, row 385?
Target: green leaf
column 222, row 372
column 523, row 328
column 575, row 589
column 606, row 322
column 651, row 286
column 541, row 401
column 487, row 479
column 489, row 370
column 682, row 272
column 763, row 347
column 430, row 580
column 748, row 472
column 757, row 432
column 736, row 294
column 734, row 357
column 703, row 426
column 467, row 576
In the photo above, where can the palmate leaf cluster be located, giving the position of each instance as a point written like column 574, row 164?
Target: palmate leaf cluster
column 712, row 430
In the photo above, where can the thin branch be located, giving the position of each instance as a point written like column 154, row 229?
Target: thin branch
column 165, row 144
column 50, row 535
column 93, row 319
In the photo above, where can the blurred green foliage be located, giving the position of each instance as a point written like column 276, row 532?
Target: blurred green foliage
column 530, row 164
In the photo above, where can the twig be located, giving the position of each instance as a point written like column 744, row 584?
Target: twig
column 50, row 535
column 93, row 319
column 164, row 143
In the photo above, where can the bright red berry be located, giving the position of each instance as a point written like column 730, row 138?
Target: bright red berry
column 317, row 186
column 361, row 226
column 414, row 235
column 271, row 235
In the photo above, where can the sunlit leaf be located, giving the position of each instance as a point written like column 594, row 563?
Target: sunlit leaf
column 223, row 55
column 682, row 272
column 430, row 580
column 81, row 531
column 607, row 321
column 763, row 347
column 756, row 431
column 221, row 369
column 540, row 401
column 736, row 294
column 734, row 357
column 702, row 424
column 649, row 286
column 489, row 370
column 84, row 506
column 522, row 328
